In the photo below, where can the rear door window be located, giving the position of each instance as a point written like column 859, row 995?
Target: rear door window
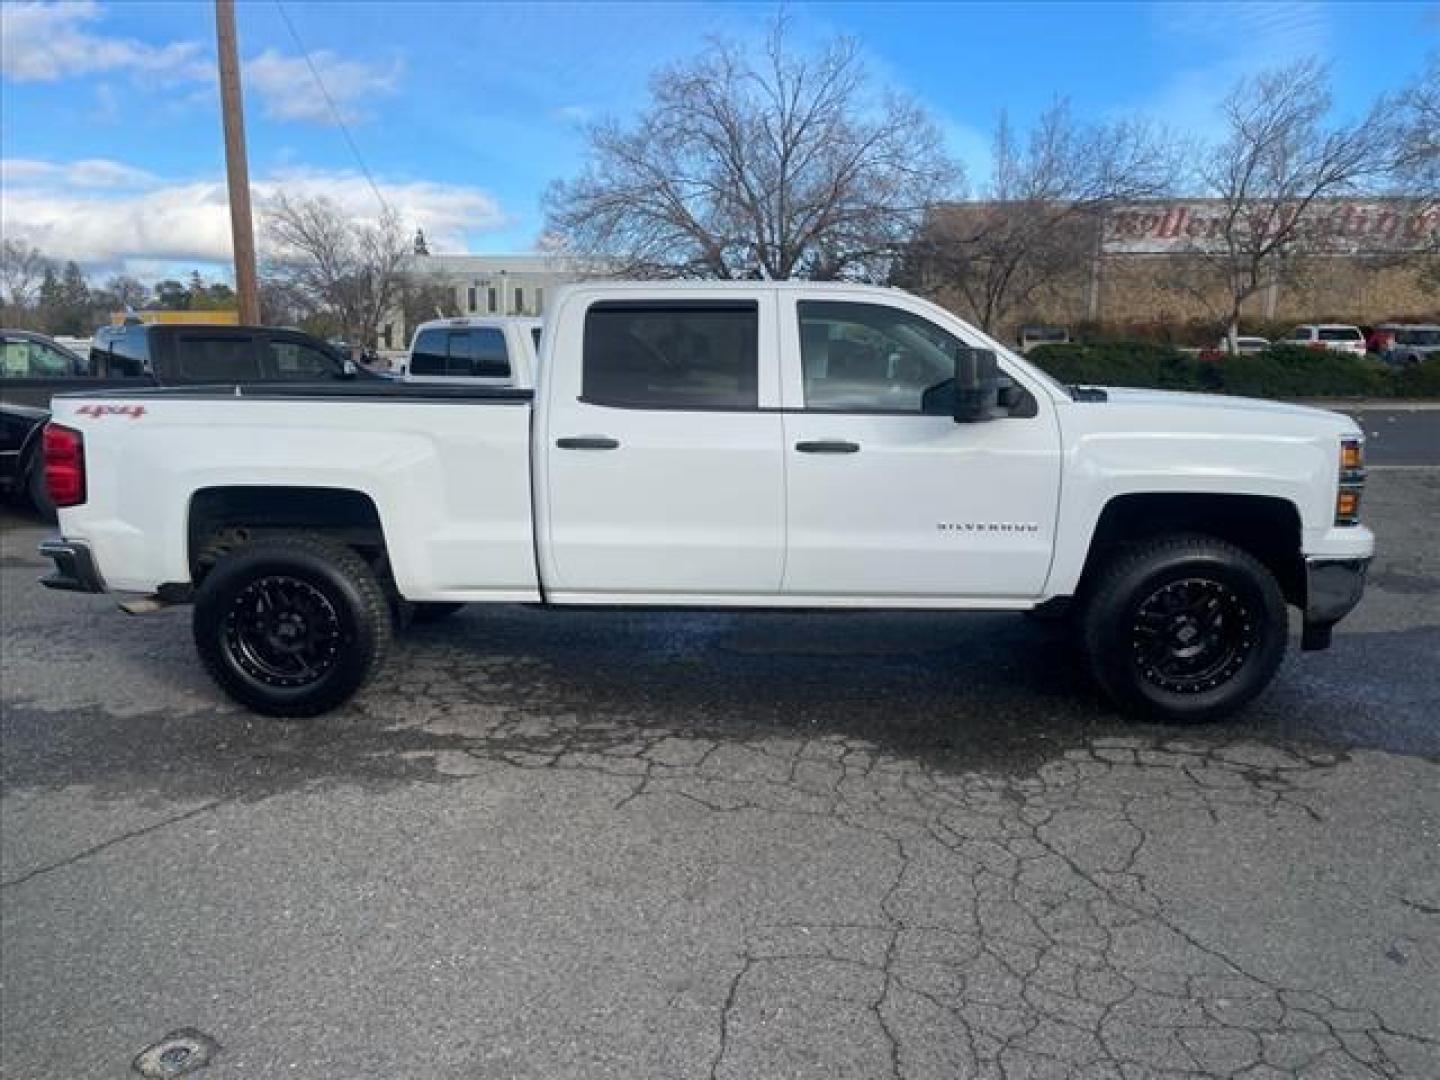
column 25, row 359
column 681, row 355
column 217, row 358
column 1340, row 333
column 299, row 361
column 121, row 355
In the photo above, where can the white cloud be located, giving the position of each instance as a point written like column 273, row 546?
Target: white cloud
column 73, row 210
column 50, row 42
column 86, row 173
column 47, row 42
column 287, row 89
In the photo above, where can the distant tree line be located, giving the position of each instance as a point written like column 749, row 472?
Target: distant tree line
column 41, row 293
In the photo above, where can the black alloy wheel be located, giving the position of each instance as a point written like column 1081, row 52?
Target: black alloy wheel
column 1192, row 634
column 292, row 624
column 283, row 631
column 1183, row 627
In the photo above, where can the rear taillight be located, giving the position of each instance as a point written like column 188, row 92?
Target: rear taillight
column 64, row 450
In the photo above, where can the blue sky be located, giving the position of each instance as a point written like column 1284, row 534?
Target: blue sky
column 110, row 133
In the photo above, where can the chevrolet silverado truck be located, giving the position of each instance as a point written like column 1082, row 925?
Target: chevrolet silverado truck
column 725, row 445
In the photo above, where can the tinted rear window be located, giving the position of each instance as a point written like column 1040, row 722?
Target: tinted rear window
column 428, row 355
column 683, row 355
column 471, row 352
column 217, row 359
column 1340, row 333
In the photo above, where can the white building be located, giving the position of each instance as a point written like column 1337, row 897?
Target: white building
column 486, row 285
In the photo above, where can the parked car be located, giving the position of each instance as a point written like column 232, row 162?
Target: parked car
column 1030, row 336
column 1336, row 337
column 34, row 368
column 1409, row 343
column 721, row 445
column 477, row 350
column 1244, row 346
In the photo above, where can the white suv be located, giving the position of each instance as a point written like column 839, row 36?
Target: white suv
column 1337, row 337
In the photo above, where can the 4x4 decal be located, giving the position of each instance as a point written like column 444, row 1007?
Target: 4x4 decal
column 134, row 412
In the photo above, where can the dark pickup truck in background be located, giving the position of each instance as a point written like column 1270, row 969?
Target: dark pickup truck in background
column 33, row 368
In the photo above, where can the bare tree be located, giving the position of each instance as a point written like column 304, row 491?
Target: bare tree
column 342, row 268
column 421, row 300
column 22, row 268
column 778, row 164
column 1279, row 160
column 128, row 292
column 1417, row 164
column 1039, row 223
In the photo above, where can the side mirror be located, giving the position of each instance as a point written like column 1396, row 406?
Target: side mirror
column 977, row 385
column 348, row 370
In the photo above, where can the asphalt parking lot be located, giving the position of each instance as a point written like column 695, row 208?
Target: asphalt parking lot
column 731, row 846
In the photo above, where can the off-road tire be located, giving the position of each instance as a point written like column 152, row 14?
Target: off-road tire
column 1136, row 610
column 333, row 580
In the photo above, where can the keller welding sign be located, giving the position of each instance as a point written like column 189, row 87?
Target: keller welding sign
column 1341, row 227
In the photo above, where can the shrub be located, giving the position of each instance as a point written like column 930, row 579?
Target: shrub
column 1119, row 363
column 1419, row 380
column 1289, row 371
column 1284, row 371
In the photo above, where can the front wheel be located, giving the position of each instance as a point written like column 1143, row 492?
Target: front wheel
column 1185, row 628
column 292, row 624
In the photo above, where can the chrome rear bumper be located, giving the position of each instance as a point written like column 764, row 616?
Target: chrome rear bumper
column 75, row 569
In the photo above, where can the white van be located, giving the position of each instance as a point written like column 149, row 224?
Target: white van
column 475, row 350
column 1336, row 337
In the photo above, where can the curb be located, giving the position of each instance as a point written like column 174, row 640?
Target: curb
column 1370, row 404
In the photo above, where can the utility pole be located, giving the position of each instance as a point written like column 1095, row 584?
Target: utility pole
column 237, row 171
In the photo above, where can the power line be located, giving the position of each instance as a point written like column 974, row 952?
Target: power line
column 335, row 112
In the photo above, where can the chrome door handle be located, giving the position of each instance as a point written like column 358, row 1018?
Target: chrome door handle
column 587, row 442
column 827, row 446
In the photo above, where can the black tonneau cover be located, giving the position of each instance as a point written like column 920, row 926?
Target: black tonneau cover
column 369, row 390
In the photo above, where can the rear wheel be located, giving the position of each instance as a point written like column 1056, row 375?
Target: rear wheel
column 1185, row 628
column 292, row 624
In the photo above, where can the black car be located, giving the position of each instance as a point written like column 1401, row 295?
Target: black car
column 33, row 368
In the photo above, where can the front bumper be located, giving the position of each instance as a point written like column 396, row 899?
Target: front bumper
column 1332, row 589
column 75, row 569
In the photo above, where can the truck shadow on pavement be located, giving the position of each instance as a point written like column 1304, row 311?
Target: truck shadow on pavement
column 616, row 692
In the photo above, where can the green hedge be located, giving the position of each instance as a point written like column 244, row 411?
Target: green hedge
column 1282, row 371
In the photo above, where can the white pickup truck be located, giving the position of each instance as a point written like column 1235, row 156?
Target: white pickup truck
column 733, row 445
column 475, row 350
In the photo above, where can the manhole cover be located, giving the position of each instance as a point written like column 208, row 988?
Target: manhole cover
column 176, row 1054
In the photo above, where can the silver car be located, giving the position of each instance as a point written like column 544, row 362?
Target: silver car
column 1410, row 342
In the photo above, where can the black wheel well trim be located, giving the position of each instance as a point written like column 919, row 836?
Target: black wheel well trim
column 222, row 516
column 1269, row 527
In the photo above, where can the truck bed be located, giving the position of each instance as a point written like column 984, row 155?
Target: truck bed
column 376, row 389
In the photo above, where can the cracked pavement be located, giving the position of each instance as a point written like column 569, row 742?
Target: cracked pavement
column 753, row 845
